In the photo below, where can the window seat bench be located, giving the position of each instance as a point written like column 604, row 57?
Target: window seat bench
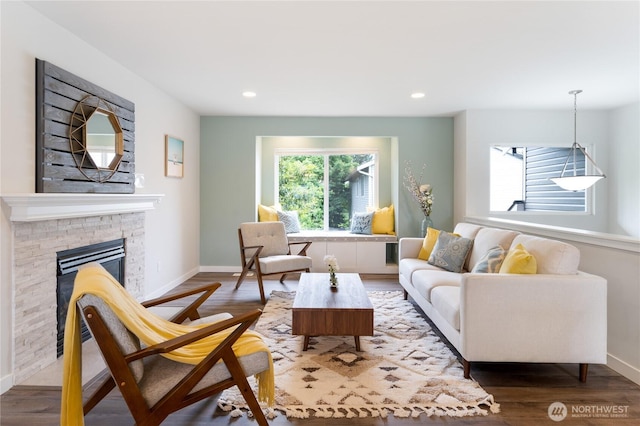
column 366, row 254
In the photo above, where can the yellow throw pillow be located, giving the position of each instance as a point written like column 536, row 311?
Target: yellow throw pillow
column 383, row 221
column 519, row 261
column 267, row 214
column 429, row 243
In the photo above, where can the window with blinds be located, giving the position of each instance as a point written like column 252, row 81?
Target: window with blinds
column 520, row 180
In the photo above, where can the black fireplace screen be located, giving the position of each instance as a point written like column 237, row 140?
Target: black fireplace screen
column 109, row 254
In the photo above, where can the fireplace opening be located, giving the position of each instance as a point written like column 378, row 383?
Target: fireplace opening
column 109, row 254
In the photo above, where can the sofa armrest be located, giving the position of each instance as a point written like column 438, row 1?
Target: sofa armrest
column 409, row 247
column 533, row 318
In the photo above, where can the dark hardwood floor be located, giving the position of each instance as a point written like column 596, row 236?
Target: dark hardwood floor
column 524, row 391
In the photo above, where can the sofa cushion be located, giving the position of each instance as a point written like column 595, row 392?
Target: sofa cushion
column 279, row 263
column 450, row 252
column 552, row 257
column 487, row 238
column 519, row 261
column 467, row 230
column 426, row 280
column 491, row 261
column 409, row 266
column 446, row 300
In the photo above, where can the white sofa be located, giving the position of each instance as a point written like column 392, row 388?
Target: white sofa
column 558, row 315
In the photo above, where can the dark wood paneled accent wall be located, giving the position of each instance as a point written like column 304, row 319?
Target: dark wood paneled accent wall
column 57, row 94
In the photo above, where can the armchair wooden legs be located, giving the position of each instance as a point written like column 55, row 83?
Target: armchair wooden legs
column 263, row 299
column 107, row 386
column 245, row 270
column 259, row 276
column 237, row 373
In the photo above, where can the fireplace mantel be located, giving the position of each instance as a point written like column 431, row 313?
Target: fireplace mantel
column 48, row 206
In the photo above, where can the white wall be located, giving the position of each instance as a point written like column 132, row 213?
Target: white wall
column 460, row 178
column 623, row 172
column 172, row 229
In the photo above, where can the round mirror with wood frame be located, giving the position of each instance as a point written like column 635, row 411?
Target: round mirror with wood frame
column 96, row 139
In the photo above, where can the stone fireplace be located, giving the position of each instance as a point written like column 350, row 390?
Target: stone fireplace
column 42, row 226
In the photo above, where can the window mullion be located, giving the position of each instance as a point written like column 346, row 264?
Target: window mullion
column 326, row 192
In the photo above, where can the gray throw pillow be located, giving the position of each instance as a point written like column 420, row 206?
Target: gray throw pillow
column 491, row 261
column 361, row 223
column 290, row 220
column 450, row 252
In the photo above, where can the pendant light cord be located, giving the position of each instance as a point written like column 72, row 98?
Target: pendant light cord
column 575, row 128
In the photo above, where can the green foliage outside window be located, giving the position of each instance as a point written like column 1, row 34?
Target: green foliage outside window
column 301, row 188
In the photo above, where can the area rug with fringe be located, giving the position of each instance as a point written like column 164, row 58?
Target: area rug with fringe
column 404, row 369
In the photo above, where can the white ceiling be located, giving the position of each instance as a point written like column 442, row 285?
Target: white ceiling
column 364, row 58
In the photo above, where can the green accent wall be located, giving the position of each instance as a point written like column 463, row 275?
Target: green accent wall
column 231, row 160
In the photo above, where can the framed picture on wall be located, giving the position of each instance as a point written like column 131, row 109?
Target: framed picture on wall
column 173, row 156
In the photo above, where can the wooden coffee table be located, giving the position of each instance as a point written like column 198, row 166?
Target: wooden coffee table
column 319, row 311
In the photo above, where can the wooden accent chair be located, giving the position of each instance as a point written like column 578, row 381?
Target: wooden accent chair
column 154, row 386
column 265, row 249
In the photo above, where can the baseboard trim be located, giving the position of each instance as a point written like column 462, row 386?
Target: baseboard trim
column 6, row 383
column 619, row 366
column 231, row 269
column 236, row 269
column 172, row 284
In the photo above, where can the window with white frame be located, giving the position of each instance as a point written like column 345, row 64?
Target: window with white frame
column 326, row 187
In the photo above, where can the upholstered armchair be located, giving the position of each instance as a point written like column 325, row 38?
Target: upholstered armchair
column 265, row 250
column 156, row 380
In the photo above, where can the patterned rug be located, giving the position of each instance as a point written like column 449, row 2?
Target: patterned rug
column 404, row 369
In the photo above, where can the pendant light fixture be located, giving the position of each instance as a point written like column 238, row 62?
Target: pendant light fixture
column 575, row 182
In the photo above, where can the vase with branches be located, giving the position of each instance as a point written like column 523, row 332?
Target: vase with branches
column 422, row 193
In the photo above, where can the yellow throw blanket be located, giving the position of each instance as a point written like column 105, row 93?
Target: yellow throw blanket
column 149, row 328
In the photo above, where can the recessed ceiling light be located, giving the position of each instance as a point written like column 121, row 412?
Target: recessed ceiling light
column 249, row 94
column 417, row 95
